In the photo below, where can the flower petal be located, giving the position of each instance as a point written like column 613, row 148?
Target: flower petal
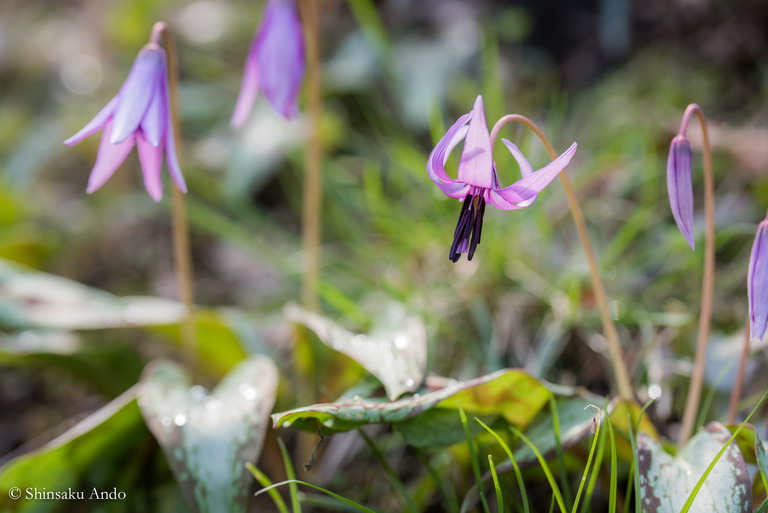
column 95, row 124
column 153, row 122
column 476, row 165
column 137, row 91
column 679, row 186
column 280, row 56
column 171, row 158
column 439, row 155
column 109, row 158
column 249, row 88
column 757, row 283
column 528, row 187
column 526, row 169
column 151, row 158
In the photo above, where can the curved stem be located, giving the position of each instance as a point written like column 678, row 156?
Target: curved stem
column 708, row 281
column 181, row 250
column 609, row 328
column 313, row 162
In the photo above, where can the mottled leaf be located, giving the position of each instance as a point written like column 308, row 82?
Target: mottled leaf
column 208, row 437
column 666, row 481
column 511, row 393
column 32, row 299
column 395, row 351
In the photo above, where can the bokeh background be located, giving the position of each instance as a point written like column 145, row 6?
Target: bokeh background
column 613, row 75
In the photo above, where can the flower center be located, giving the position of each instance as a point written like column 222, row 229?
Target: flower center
column 468, row 229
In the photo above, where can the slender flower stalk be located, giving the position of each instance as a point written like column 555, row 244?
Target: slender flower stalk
column 181, row 248
column 621, row 375
column 681, row 195
column 312, row 195
column 275, row 62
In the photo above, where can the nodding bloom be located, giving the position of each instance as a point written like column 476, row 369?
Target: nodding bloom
column 139, row 114
column 757, row 283
column 679, row 186
column 477, row 184
column 275, row 62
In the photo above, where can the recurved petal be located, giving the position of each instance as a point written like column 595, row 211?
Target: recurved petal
column 476, row 165
column 526, row 169
column 280, row 56
column 171, row 158
column 137, row 91
column 94, row 125
column 679, row 186
column 249, row 88
column 519, row 193
column 439, row 155
column 151, row 158
column 757, row 283
column 109, row 158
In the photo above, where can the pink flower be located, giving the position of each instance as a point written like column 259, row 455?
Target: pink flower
column 757, row 283
column 679, row 186
column 140, row 114
column 477, row 183
column 275, row 62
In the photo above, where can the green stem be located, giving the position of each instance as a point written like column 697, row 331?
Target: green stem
column 609, row 328
column 708, row 282
column 313, row 162
column 181, row 250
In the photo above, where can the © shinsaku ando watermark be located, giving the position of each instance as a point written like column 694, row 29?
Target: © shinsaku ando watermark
column 42, row 494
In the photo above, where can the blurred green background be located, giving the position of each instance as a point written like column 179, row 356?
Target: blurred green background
column 613, row 75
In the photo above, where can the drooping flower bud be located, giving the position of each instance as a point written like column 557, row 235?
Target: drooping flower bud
column 757, row 283
column 679, row 186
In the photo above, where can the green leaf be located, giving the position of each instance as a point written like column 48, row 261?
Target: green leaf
column 666, row 481
column 91, row 455
column 208, row 437
column 511, row 393
column 395, row 351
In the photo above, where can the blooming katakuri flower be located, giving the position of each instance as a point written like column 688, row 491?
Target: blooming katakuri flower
column 757, row 283
column 477, row 184
column 275, row 62
column 139, row 114
column 679, row 186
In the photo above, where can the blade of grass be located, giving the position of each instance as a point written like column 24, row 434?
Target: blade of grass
column 635, row 464
column 614, row 468
column 294, row 482
column 291, row 475
column 511, row 457
column 265, row 482
column 763, row 507
column 711, row 395
column 559, row 450
column 544, row 467
column 589, row 462
column 595, row 472
column 703, row 477
column 396, row 482
column 496, row 486
column 473, row 459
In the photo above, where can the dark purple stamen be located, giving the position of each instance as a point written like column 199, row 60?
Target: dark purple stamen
column 469, row 227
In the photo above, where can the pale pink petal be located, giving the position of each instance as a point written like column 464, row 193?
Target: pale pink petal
column 151, row 158
column 680, row 187
column 439, row 155
column 95, row 124
column 109, row 158
column 526, row 169
column 249, row 88
column 171, row 159
column 757, row 283
column 153, row 122
column 528, row 187
column 137, row 91
column 280, row 56
column 476, row 165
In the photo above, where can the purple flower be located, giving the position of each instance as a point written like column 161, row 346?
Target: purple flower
column 477, row 184
column 757, row 283
column 679, row 186
column 140, row 114
column 275, row 62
